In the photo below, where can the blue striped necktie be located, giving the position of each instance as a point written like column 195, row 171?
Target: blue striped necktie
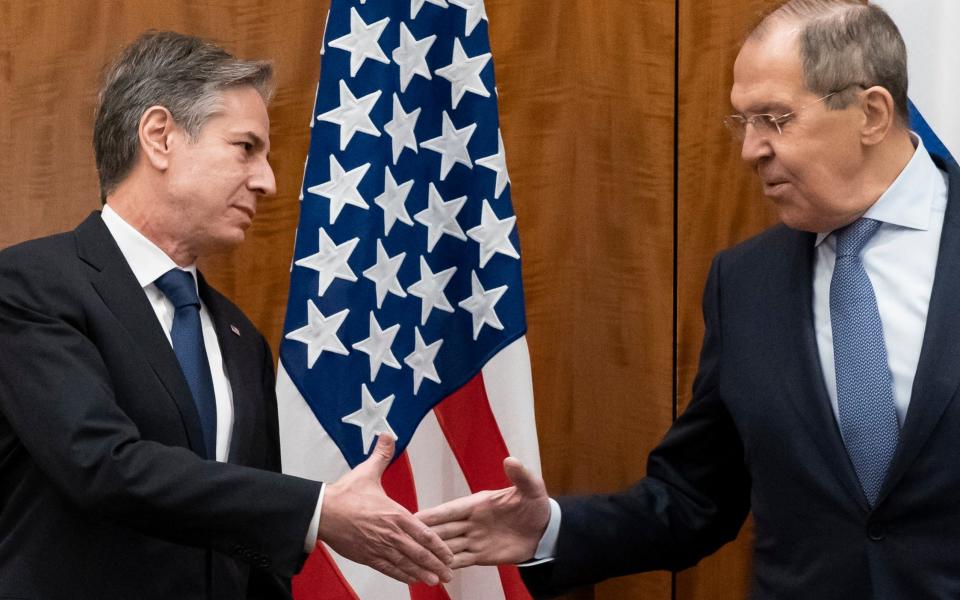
column 868, row 417
column 187, row 337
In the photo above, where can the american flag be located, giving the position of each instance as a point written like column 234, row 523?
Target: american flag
column 406, row 310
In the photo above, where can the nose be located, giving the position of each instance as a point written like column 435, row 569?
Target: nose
column 262, row 181
column 755, row 146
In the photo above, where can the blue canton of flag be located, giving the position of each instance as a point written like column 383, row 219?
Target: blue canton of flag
column 406, row 274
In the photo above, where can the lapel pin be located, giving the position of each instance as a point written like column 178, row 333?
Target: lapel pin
column 235, row 330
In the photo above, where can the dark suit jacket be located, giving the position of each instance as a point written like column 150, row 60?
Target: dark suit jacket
column 102, row 492
column 760, row 435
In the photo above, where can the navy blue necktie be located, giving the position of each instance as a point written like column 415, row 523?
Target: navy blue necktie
column 187, row 337
column 868, row 417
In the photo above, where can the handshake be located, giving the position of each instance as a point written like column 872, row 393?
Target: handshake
column 362, row 524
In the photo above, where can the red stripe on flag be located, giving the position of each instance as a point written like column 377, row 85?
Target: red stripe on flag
column 474, row 436
column 397, row 482
column 321, row 579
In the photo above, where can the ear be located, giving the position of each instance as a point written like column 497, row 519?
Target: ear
column 879, row 115
column 156, row 133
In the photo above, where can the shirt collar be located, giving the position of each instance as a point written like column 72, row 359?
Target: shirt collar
column 909, row 200
column 146, row 259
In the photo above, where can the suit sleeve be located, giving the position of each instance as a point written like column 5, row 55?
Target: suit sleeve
column 57, row 399
column 694, row 499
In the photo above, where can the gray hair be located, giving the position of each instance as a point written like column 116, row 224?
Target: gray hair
column 182, row 73
column 844, row 43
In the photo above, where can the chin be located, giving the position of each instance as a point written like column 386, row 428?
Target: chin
column 795, row 219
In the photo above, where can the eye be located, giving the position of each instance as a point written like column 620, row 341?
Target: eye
column 247, row 146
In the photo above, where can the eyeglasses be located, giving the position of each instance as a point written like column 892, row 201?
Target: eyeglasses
column 765, row 124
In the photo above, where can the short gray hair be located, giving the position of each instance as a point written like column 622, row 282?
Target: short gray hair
column 845, row 43
column 182, row 73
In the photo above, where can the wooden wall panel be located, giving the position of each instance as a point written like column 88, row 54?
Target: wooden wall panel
column 586, row 109
column 719, row 204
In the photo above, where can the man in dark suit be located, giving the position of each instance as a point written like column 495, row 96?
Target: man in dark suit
column 139, row 454
column 824, row 400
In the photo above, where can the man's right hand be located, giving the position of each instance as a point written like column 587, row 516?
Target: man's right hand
column 361, row 523
column 494, row 527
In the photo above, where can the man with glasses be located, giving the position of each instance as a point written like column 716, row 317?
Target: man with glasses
column 823, row 402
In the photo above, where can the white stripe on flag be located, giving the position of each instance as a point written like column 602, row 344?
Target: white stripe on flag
column 509, row 385
column 438, row 478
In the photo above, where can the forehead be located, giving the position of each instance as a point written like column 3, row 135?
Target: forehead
column 241, row 109
column 768, row 73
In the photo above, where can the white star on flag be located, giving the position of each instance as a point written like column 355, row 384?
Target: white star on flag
column 330, row 261
column 377, row 347
column 416, row 5
column 393, row 200
column 441, row 218
column 320, row 333
column 341, row 189
column 371, row 417
column 362, row 41
column 352, row 115
column 452, row 145
column 411, row 56
column 421, row 360
column 430, row 290
column 498, row 164
column 383, row 274
column 493, row 235
column 475, row 11
column 400, row 128
column 480, row 304
column 463, row 72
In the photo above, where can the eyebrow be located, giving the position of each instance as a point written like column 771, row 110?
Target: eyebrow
column 254, row 138
column 769, row 108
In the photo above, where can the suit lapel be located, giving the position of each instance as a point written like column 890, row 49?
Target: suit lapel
column 800, row 364
column 230, row 337
column 938, row 371
column 120, row 291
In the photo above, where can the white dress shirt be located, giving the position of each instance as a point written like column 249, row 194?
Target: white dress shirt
column 148, row 262
column 900, row 259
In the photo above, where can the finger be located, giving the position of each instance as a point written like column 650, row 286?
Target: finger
column 455, row 510
column 429, row 539
column 458, row 545
column 420, row 563
column 446, row 531
column 527, row 483
column 382, row 454
column 464, row 559
column 426, row 551
column 388, row 568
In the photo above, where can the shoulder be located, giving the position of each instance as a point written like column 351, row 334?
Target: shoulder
column 770, row 250
column 44, row 263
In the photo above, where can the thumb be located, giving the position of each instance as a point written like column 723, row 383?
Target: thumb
column 527, row 484
column 382, row 454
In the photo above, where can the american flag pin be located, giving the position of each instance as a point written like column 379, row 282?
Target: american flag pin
column 235, row 330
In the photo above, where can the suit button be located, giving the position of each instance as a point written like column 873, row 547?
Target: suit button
column 875, row 533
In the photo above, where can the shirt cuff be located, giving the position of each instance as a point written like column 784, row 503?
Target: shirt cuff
column 547, row 548
column 311, row 541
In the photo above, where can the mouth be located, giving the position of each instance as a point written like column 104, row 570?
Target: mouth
column 247, row 211
column 772, row 188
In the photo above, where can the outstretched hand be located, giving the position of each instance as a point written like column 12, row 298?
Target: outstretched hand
column 360, row 522
column 494, row 527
